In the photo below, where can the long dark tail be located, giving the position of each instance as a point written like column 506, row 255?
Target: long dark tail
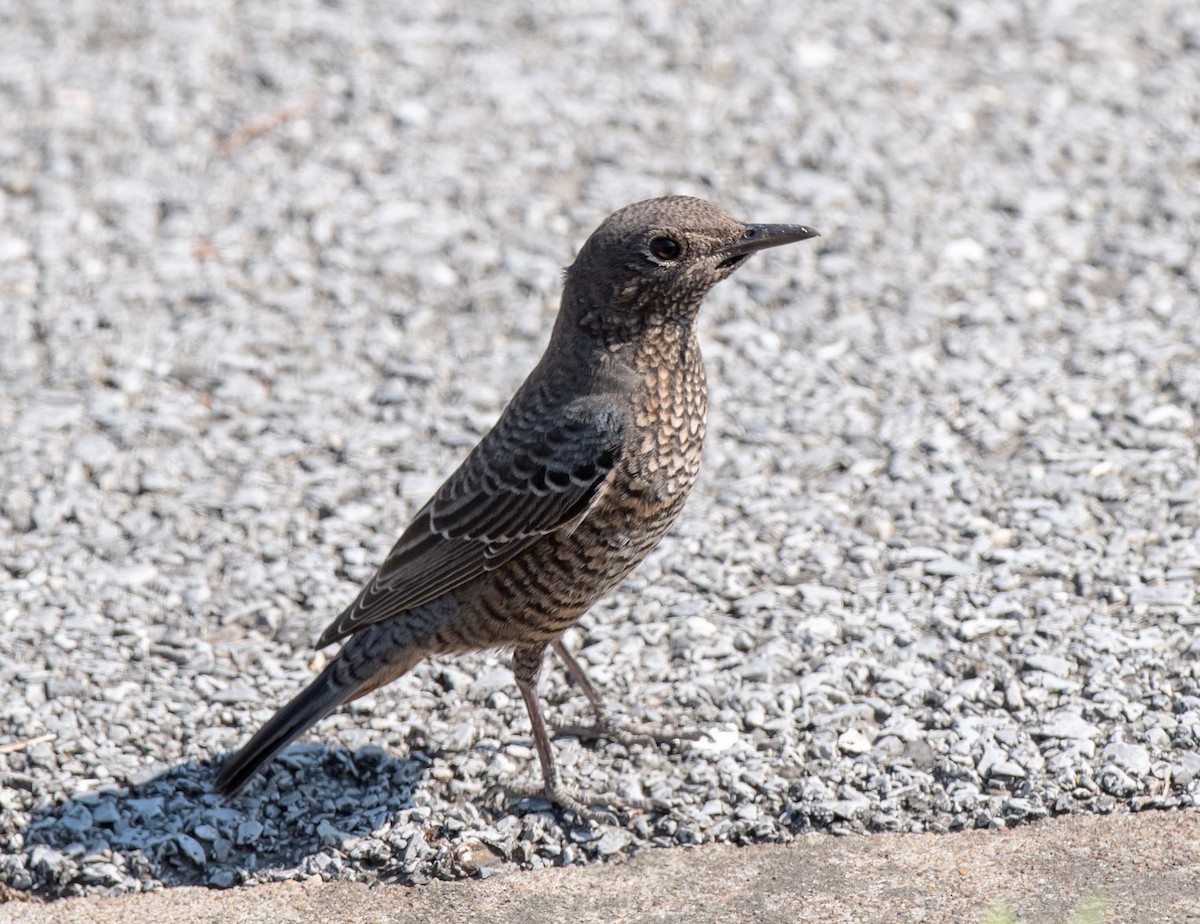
column 315, row 702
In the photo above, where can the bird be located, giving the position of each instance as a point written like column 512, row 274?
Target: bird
column 583, row 473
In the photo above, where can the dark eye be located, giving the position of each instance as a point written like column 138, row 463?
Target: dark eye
column 665, row 248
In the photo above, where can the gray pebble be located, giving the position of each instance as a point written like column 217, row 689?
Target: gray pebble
column 1133, row 758
column 248, row 832
column 106, row 813
column 947, row 567
column 76, row 817
column 190, row 848
column 488, row 684
column 853, row 741
column 94, row 450
column 1050, row 664
column 1177, row 593
column 1068, row 725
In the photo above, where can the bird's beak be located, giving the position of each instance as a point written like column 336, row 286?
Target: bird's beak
column 760, row 237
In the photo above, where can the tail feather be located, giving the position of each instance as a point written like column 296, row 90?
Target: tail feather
column 315, row 702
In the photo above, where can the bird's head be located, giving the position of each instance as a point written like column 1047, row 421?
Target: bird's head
column 653, row 262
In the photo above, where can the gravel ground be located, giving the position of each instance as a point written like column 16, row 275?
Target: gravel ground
column 267, row 272
column 1076, row 869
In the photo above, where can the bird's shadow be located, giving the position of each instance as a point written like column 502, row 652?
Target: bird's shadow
column 309, row 808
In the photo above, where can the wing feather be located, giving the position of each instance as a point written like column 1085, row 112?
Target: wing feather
column 537, row 471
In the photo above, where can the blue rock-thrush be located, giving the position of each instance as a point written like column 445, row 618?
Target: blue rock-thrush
column 586, row 469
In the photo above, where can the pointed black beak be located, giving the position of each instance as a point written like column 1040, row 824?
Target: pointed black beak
column 760, row 237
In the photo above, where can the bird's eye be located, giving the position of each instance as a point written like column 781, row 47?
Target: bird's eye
column 665, row 248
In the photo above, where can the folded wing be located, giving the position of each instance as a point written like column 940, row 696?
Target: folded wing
column 537, row 471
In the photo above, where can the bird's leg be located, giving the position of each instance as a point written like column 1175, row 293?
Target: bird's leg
column 604, row 727
column 527, row 668
column 575, row 669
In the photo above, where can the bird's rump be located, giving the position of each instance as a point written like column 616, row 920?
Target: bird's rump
column 525, row 479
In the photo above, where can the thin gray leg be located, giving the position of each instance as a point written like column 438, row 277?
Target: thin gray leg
column 575, row 669
column 604, row 726
column 527, row 668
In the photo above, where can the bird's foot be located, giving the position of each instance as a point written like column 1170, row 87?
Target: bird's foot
column 629, row 735
column 598, row 809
